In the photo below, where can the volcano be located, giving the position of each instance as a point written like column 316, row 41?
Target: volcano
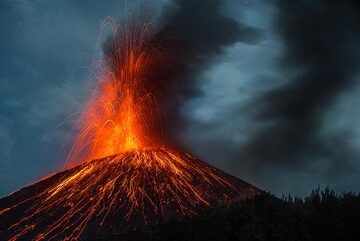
column 107, row 196
column 120, row 171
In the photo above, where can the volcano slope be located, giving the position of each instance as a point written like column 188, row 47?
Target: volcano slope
column 112, row 194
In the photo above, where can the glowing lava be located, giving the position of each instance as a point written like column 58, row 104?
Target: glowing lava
column 121, row 114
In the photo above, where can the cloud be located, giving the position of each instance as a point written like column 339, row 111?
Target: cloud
column 277, row 127
column 320, row 49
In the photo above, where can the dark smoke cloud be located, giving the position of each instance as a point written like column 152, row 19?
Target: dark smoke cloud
column 192, row 34
column 322, row 52
column 189, row 34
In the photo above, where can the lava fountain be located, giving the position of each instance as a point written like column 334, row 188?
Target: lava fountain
column 120, row 170
column 122, row 112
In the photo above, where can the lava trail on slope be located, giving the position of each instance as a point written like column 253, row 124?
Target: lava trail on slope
column 109, row 195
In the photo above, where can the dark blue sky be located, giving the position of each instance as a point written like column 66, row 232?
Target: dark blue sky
column 281, row 112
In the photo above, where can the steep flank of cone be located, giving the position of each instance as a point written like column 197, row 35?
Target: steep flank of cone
column 112, row 194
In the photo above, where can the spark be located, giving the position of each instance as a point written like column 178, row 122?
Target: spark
column 121, row 114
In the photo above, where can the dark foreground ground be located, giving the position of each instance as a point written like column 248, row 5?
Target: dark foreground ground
column 323, row 215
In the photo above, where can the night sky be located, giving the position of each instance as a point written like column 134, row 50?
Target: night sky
column 272, row 95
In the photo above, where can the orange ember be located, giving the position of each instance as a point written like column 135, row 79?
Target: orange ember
column 120, row 113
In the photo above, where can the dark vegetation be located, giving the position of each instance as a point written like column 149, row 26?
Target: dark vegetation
column 324, row 215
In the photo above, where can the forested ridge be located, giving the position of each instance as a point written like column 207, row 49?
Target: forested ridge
column 323, row 215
